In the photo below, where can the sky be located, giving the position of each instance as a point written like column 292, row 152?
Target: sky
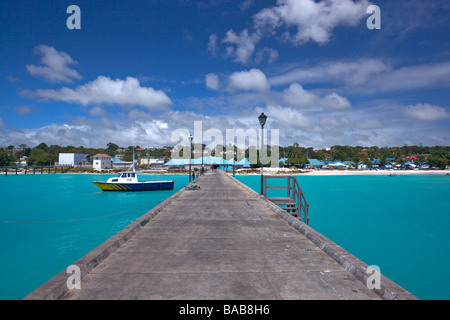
column 136, row 71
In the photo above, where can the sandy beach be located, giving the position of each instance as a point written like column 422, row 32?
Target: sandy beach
column 269, row 171
column 286, row 171
column 376, row 172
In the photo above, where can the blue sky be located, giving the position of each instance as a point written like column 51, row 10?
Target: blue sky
column 138, row 70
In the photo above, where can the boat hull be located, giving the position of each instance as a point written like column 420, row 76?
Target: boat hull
column 139, row 186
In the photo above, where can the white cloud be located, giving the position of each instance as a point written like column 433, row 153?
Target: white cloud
column 335, row 101
column 12, row 79
column 104, row 90
column 268, row 54
column 212, row 45
column 314, row 20
column 431, row 75
column 351, row 73
column 369, row 76
column 2, row 124
column 22, row 110
column 368, row 124
column 55, row 65
column 245, row 44
column 96, row 111
column 253, row 80
column 246, row 4
column 212, row 81
column 288, row 117
column 426, row 112
column 296, row 95
column 136, row 114
column 382, row 125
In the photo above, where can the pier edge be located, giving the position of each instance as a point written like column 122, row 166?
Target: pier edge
column 56, row 287
column 389, row 290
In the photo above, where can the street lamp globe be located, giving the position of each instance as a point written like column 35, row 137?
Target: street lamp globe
column 262, row 119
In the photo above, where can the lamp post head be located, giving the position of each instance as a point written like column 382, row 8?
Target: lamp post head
column 262, row 119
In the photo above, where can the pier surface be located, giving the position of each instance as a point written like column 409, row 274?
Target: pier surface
column 220, row 242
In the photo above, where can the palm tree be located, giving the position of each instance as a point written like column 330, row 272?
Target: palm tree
column 368, row 162
column 355, row 160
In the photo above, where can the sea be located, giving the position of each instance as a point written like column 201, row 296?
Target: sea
column 399, row 223
column 49, row 221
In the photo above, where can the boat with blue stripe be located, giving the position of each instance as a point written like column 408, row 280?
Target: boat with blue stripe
column 128, row 181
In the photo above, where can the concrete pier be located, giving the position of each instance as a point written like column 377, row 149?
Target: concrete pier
column 221, row 242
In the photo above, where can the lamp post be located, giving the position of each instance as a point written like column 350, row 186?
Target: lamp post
column 234, row 161
column 190, row 156
column 262, row 121
column 203, row 170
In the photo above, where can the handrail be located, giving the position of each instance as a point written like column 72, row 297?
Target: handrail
column 294, row 192
column 25, row 169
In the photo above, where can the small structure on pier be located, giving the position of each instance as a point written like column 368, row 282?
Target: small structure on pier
column 294, row 202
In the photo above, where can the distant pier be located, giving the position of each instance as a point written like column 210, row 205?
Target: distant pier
column 34, row 170
column 221, row 242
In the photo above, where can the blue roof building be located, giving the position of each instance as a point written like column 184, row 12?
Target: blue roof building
column 315, row 162
column 209, row 161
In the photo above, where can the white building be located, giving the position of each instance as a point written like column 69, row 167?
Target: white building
column 102, row 161
column 72, row 159
column 122, row 165
column 153, row 163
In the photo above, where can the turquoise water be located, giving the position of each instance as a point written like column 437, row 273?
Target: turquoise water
column 62, row 213
column 400, row 224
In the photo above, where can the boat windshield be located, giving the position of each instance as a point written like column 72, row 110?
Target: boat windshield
column 127, row 175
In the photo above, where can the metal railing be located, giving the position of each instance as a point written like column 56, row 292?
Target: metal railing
column 33, row 169
column 295, row 202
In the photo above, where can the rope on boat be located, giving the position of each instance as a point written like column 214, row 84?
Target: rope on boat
column 75, row 220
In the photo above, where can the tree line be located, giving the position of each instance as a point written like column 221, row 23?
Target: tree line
column 436, row 156
column 43, row 155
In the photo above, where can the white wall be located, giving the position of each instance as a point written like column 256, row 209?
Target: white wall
column 102, row 163
column 71, row 159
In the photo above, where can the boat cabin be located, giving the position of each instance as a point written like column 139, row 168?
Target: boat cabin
column 124, row 177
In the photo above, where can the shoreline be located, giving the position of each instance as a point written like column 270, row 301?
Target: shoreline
column 281, row 171
column 277, row 171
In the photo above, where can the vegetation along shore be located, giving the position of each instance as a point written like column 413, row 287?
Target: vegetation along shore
column 294, row 157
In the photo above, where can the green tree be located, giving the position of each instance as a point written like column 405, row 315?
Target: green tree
column 42, row 146
column 321, row 154
column 355, row 159
column 298, row 161
column 25, row 152
column 368, row 162
column 422, row 158
column 5, row 158
column 38, row 157
column 438, row 161
column 112, row 146
column 127, row 154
